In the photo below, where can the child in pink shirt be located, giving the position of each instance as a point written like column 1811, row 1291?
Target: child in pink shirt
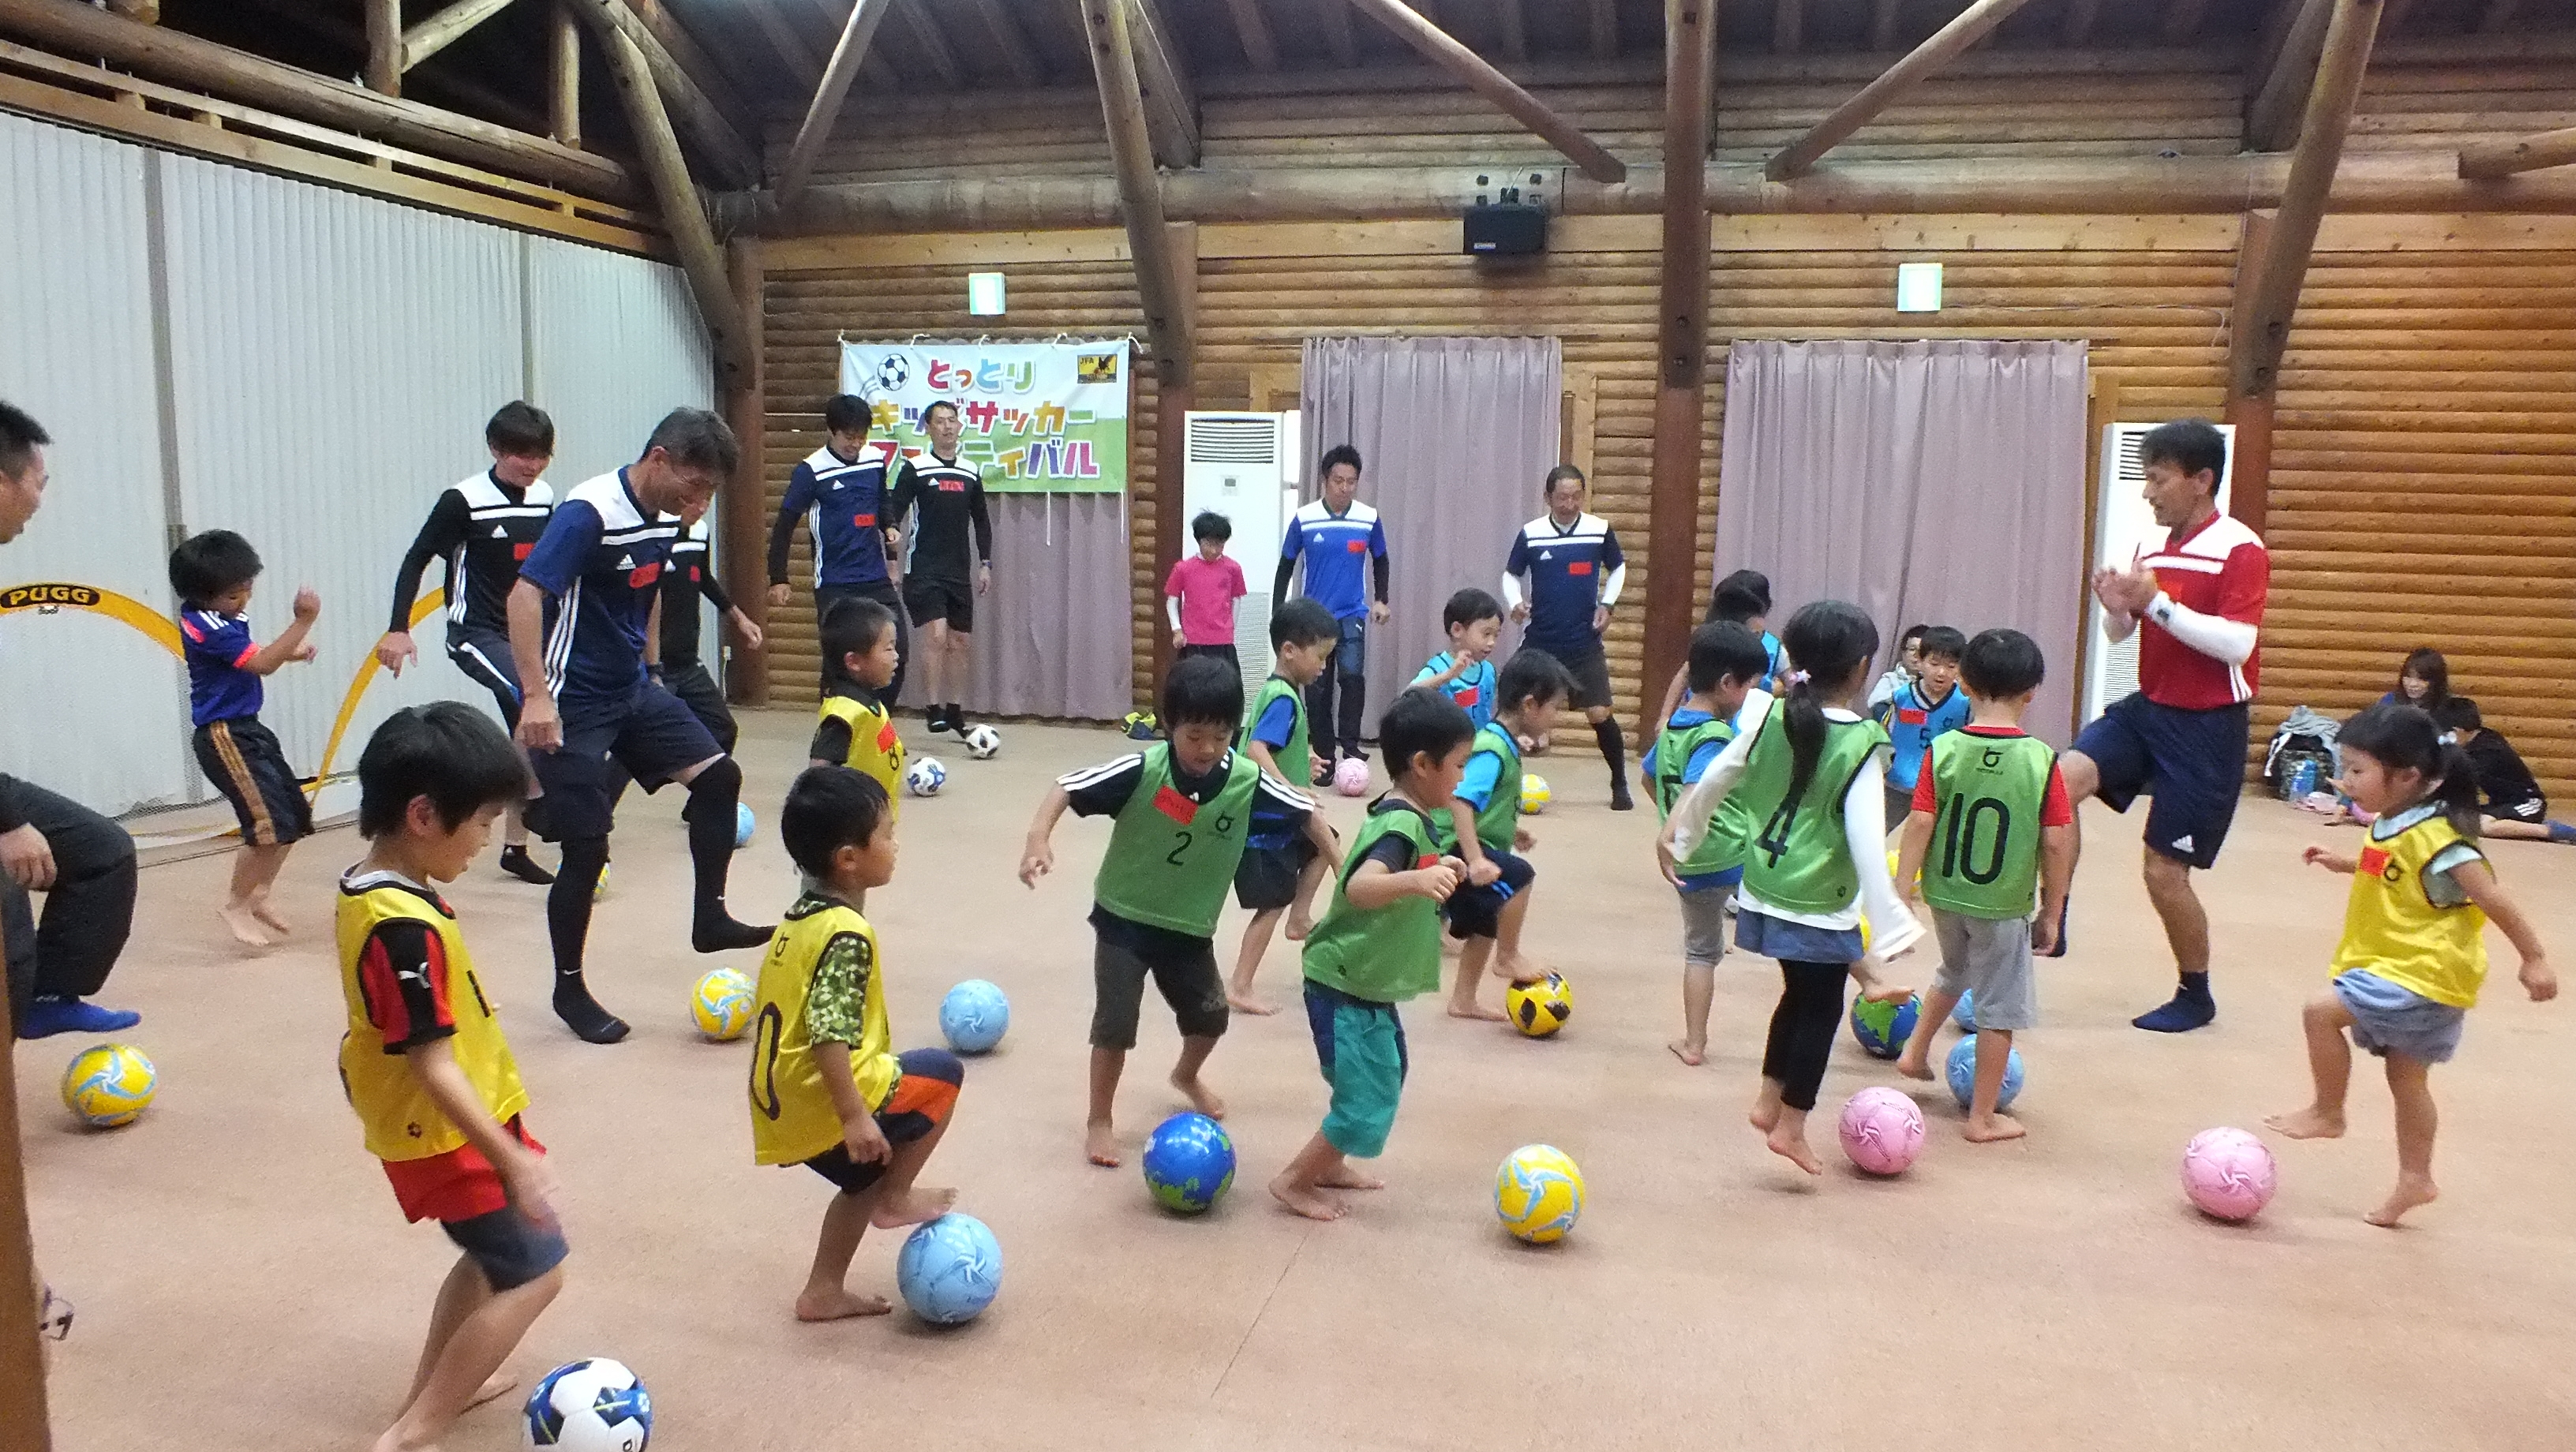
column 1200, row 595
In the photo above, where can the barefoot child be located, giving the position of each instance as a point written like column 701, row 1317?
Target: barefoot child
column 1378, row 945
column 1283, row 861
column 1725, row 660
column 212, row 574
column 1465, row 671
column 2413, row 952
column 855, row 726
column 1989, row 832
column 1481, row 827
column 423, row 1062
column 828, row 1091
column 1182, row 809
column 1810, row 771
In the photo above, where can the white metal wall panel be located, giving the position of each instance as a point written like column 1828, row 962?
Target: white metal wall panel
column 335, row 358
column 88, row 706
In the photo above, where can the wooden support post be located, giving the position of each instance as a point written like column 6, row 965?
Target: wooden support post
column 2489, row 160
column 2281, row 97
column 1681, row 388
column 677, row 198
column 829, row 93
column 25, row 1425
column 1441, row 50
column 384, row 47
column 742, row 539
column 2250, row 473
column 1171, row 107
column 1252, row 28
column 2183, row 20
column 1604, row 25
column 724, row 148
column 1945, row 45
column 440, row 31
column 563, row 75
column 2260, row 332
column 1173, row 402
column 1140, row 196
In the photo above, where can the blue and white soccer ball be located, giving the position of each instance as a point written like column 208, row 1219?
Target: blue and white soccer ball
column 949, row 1270
column 744, row 825
column 925, row 777
column 893, row 372
column 1962, row 1068
column 1964, row 1017
column 974, row 1016
column 590, row 1406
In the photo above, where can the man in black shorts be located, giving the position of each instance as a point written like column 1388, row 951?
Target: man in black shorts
column 579, row 617
column 688, row 578
column 482, row 528
column 1575, row 571
column 949, row 493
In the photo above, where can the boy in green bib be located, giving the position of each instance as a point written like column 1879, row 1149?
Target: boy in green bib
column 1378, row 945
column 1183, row 809
column 1481, row 827
column 1992, row 834
column 1725, row 661
column 1283, row 866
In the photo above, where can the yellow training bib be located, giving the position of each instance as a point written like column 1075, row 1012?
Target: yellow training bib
column 401, row 1121
column 792, row 1118
column 875, row 748
column 2394, row 928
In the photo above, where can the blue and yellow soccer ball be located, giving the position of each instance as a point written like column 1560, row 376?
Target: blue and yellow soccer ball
column 1881, row 1029
column 109, row 1085
column 1541, row 1008
column 722, row 1004
column 1535, row 794
column 1189, row 1162
column 1538, row 1193
column 1139, row 726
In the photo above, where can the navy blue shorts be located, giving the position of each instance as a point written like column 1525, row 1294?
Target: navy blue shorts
column 2192, row 762
column 922, row 1099
column 509, row 1248
column 1266, row 878
column 1477, row 912
column 485, row 658
column 243, row 760
column 651, row 734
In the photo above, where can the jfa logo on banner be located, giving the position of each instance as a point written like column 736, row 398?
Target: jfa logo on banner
column 1035, row 417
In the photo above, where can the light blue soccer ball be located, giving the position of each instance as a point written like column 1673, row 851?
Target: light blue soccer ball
column 1964, row 1016
column 744, row 824
column 974, row 1016
column 590, row 1406
column 1963, row 1075
column 1189, row 1162
column 949, row 1269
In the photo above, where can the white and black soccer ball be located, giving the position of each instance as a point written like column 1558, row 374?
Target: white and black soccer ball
column 893, row 372
column 925, row 777
column 982, row 742
column 590, row 1406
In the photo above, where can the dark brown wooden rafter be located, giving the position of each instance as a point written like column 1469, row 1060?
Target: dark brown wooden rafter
column 694, row 62
column 2183, row 19
column 2393, row 18
column 2498, row 16
column 1341, row 37
column 1944, row 45
column 2260, row 332
column 831, row 92
column 1109, row 38
column 1252, row 30
column 1604, row 27
column 384, row 65
column 445, row 28
column 685, row 102
column 1009, row 42
column 2491, row 160
column 1788, row 26
column 1437, row 46
column 1171, row 104
column 2279, row 98
column 639, row 95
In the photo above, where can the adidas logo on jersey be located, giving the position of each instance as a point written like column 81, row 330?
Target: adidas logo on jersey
column 626, row 562
column 499, row 533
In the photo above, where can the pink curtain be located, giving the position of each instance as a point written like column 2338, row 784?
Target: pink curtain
column 1457, row 434
column 1053, row 636
column 1938, row 482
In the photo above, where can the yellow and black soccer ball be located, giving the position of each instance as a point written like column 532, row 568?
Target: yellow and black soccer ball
column 1540, row 1008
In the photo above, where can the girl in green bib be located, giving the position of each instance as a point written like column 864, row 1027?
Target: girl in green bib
column 1812, row 772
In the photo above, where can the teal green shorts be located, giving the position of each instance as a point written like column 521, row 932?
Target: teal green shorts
column 1361, row 1046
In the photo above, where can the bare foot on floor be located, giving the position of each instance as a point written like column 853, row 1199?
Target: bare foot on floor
column 2411, row 1191
column 2308, row 1123
column 1992, row 1128
column 912, row 1208
column 1100, row 1143
column 1474, row 1010
column 1794, row 1149
column 1913, row 1065
column 838, row 1305
column 1888, row 993
column 1305, row 1199
column 1765, row 1115
column 1689, row 1053
column 1350, row 1178
column 1300, row 927
column 498, row 1384
column 244, row 925
column 1201, row 1097
column 1246, row 1003
column 268, row 915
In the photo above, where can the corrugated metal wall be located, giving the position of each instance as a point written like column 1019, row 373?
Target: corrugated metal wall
column 331, row 361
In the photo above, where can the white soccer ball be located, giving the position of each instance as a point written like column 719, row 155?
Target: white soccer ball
column 925, row 777
column 590, row 1406
column 982, row 742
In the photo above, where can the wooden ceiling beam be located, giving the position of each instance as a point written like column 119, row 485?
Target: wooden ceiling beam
column 2491, row 160
column 384, row 65
column 1008, row 41
column 1252, row 28
column 2183, row 20
column 1883, row 16
column 440, row 31
column 1681, row 385
column 876, row 68
column 2280, row 100
column 1515, row 24
column 2259, row 333
column 1437, row 46
column 925, row 32
column 1339, row 36
column 688, row 104
column 563, row 74
column 146, row 12
column 1604, row 23
column 1945, row 45
column 1171, row 104
column 1788, row 26
column 639, row 93
column 824, row 111
column 2075, row 25
column 786, row 42
column 1110, row 39
column 696, row 64
column 348, row 34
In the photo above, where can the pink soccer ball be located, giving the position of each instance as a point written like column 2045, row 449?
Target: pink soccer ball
column 2228, row 1173
column 1351, row 778
column 1882, row 1130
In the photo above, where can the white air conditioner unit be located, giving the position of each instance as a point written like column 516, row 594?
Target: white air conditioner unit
column 1233, row 465
column 2124, row 528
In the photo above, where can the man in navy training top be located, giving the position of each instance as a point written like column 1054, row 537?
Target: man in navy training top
column 481, row 528
column 582, row 622
column 689, row 578
column 843, row 491
column 1334, row 535
column 1575, row 571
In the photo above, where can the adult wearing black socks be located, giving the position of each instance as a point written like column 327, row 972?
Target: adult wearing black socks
column 844, row 492
column 581, row 615
column 1575, row 570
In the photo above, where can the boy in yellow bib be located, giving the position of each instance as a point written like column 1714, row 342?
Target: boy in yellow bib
column 423, row 1061
column 827, row 1089
column 856, row 724
column 2413, row 953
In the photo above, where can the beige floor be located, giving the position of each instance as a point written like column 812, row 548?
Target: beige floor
column 244, row 1280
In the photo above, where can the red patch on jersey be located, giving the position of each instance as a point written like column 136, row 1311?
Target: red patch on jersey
column 1578, row 567
column 952, row 486
column 886, row 738
column 1175, row 806
column 2374, row 861
column 1428, row 859
column 1357, row 547
column 644, row 576
column 1912, row 716
column 693, row 574
column 1468, row 697
column 521, row 552
column 864, row 521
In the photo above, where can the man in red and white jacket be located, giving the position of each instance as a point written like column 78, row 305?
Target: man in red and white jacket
column 2200, row 599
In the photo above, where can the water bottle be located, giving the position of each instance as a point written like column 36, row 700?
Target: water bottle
column 2303, row 778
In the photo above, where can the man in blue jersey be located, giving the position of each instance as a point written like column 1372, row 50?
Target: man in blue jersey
column 582, row 627
column 1575, row 570
column 1343, row 544
column 842, row 492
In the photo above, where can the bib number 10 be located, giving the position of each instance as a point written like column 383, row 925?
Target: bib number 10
column 1964, row 834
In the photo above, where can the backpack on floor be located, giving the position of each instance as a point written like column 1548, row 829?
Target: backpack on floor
column 2303, row 738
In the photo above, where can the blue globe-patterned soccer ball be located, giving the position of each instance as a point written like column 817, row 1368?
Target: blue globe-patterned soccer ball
column 949, row 1269
column 1964, row 1017
column 744, row 825
column 1189, row 1162
column 1881, row 1029
column 1963, row 1075
column 595, row 1405
column 974, row 1016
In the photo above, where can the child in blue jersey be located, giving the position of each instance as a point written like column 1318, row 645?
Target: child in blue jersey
column 1283, row 862
column 1725, row 661
column 211, row 574
column 1930, row 705
column 1742, row 598
column 1481, row 827
column 1465, row 671
column 1909, row 664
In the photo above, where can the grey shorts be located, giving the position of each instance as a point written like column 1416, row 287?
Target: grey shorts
column 1704, row 924
column 2387, row 1018
column 1991, row 958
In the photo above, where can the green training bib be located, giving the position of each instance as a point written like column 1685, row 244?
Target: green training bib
column 1799, row 858
column 1170, row 859
column 1984, row 858
column 1730, row 832
column 1388, row 954
column 1292, row 758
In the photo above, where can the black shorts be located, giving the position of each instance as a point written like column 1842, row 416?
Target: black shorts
column 1213, row 652
column 1182, row 967
column 696, row 687
column 1477, row 912
column 1266, row 878
column 2533, row 808
column 486, row 660
column 242, row 758
column 649, row 734
column 920, row 1102
column 509, row 1248
column 2192, row 761
column 1589, row 670
column 935, row 597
